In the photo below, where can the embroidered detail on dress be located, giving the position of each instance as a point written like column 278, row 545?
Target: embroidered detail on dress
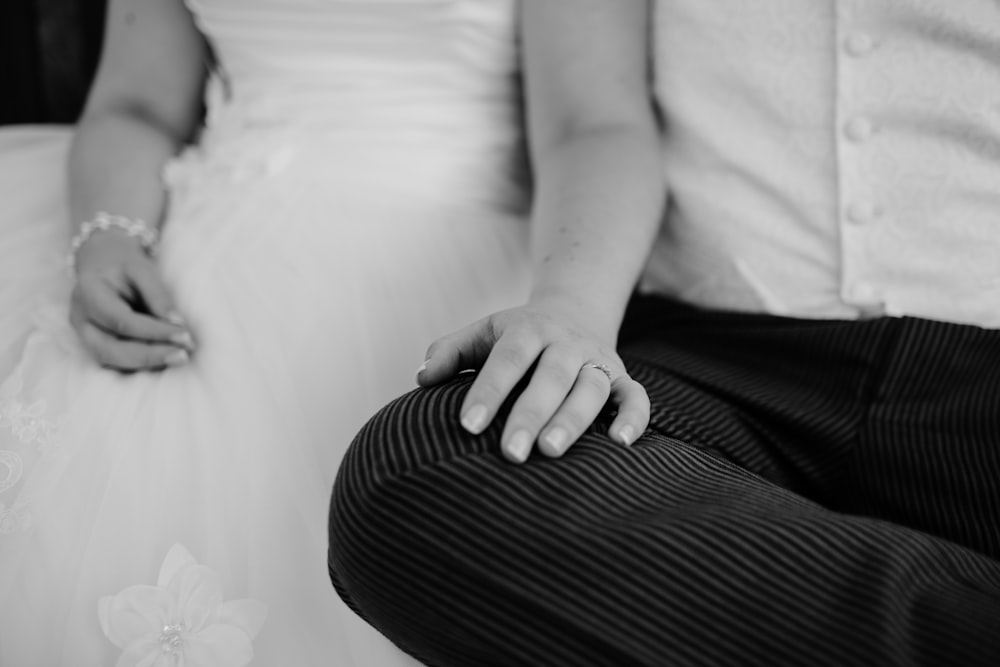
column 16, row 518
column 182, row 620
column 15, row 468
column 26, row 421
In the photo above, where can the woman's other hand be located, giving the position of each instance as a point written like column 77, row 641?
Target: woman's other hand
column 122, row 310
column 570, row 375
column 145, row 104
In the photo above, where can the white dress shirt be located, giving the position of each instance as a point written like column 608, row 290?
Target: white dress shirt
column 831, row 158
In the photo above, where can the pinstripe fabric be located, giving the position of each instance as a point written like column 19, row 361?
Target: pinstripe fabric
column 809, row 493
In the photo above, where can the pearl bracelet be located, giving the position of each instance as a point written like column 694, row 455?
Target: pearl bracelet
column 134, row 227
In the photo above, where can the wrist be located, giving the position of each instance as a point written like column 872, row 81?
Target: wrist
column 118, row 232
column 103, row 247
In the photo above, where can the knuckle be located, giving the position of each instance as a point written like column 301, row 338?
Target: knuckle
column 515, row 355
column 485, row 391
column 528, row 416
column 549, row 330
column 625, row 384
column 526, row 326
column 500, row 325
column 566, row 353
column 608, row 353
column 635, row 398
column 637, row 391
column 555, row 374
column 574, row 422
column 519, row 328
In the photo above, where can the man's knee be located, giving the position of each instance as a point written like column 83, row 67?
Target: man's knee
column 416, row 435
column 417, row 430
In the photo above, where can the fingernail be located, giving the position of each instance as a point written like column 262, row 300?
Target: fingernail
column 175, row 318
column 177, row 358
column 474, row 419
column 519, row 446
column 626, row 434
column 183, row 339
column 556, row 438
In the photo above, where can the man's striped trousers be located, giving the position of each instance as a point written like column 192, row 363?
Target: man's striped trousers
column 808, row 493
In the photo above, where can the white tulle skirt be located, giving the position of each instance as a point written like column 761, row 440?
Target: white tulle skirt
column 313, row 288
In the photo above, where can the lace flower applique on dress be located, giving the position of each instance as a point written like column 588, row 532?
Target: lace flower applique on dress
column 25, row 420
column 15, row 517
column 30, row 427
column 182, row 621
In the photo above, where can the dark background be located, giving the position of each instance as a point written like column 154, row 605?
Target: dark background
column 48, row 53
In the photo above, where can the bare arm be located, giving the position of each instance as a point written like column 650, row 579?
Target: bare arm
column 144, row 105
column 599, row 195
column 594, row 144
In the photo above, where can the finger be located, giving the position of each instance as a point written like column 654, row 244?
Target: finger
column 462, row 350
column 160, row 303
column 507, row 364
column 551, row 382
column 584, row 403
column 633, row 410
column 107, row 308
column 128, row 355
column 154, row 293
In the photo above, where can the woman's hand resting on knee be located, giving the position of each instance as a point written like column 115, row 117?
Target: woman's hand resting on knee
column 121, row 308
column 571, row 374
column 599, row 196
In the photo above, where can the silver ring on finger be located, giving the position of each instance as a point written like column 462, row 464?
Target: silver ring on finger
column 601, row 367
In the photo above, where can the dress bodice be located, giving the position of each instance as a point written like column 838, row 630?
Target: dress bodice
column 403, row 79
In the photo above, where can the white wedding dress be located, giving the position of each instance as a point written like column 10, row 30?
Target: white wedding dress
column 356, row 192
